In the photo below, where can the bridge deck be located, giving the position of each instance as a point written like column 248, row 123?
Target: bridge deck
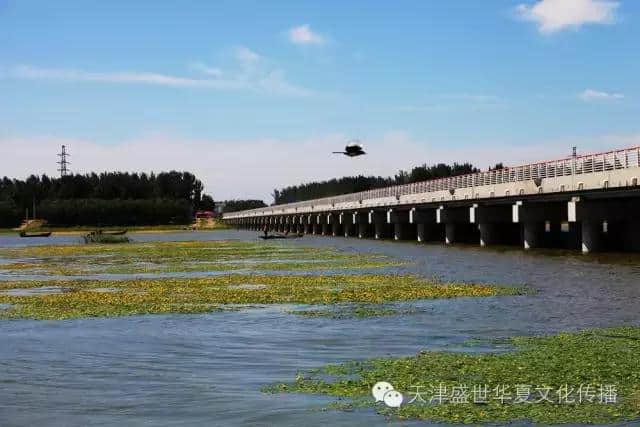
column 602, row 171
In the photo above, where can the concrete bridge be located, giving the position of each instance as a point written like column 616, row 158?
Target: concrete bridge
column 588, row 202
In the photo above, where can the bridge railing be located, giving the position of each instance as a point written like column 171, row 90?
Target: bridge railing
column 578, row 165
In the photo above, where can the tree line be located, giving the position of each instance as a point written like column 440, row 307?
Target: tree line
column 353, row 184
column 109, row 198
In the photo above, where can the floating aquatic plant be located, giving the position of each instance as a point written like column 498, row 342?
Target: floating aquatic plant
column 145, row 296
column 588, row 377
column 171, row 257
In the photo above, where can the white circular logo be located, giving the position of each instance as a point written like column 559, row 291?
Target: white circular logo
column 379, row 389
column 393, row 398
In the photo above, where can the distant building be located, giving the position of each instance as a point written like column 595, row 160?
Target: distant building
column 205, row 214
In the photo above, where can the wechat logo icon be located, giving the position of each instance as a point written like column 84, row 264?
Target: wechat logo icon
column 384, row 392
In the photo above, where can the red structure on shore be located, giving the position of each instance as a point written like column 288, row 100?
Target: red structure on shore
column 205, row 215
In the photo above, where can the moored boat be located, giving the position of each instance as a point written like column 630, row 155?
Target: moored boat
column 115, row 232
column 281, row 236
column 35, row 233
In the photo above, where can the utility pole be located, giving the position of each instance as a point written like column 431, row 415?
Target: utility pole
column 63, row 162
column 574, row 156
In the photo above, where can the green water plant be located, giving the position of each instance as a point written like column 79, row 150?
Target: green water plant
column 171, row 257
column 85, row 298
column 587, row 377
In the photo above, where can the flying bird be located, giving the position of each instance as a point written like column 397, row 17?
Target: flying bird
column 352, row 150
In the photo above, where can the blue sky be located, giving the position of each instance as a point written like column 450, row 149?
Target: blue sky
column 253, row 95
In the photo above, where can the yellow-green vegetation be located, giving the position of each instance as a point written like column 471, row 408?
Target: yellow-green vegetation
column 78, row 298
column 587, row 377
column 162, row 257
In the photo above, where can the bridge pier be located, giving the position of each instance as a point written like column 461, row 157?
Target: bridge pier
column 316, row 223
column 450, row 233
column 620, row 215
column 631, row 239
column 325, row 229
column 402, row 228
column 495, row 224
column 361, row 222
column 533, row 234
column 541, row 223
column 457, row 226
column 488, row 233
column 591, row 236
column 334, row 224
column 346, row 220
column 363, row 230
column 380, row 226
column 426, row 226
column 309, row 224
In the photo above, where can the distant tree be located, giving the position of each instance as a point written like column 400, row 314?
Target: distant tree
column 167, row 195
column 206, row 203
column 352, row 184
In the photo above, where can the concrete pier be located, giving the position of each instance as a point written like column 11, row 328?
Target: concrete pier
column 488, row 233
column 363, row 230
column 378, row 220
column 591, row 236
column 402, row 227
column 360, row 221
column 346, row 221
column 534, row 233
column 450, row 233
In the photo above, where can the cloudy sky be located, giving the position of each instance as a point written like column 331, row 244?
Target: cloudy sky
column 254, row 95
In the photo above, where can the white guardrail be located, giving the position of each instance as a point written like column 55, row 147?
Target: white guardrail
column 567, row 167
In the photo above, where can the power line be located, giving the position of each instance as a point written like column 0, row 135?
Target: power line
column 63, row 162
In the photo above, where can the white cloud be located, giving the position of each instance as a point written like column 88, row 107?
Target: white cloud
column 36, row 73
column 304, row 35
column 596, row 95
column 246, row 55
column 250, row 78
column 205, row 69
column 556, row 15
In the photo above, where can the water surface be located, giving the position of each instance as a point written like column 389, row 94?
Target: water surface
column 207, row 369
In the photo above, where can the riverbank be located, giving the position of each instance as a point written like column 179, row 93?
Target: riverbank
column 78, row 230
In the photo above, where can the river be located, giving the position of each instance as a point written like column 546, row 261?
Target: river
column 208, row 369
